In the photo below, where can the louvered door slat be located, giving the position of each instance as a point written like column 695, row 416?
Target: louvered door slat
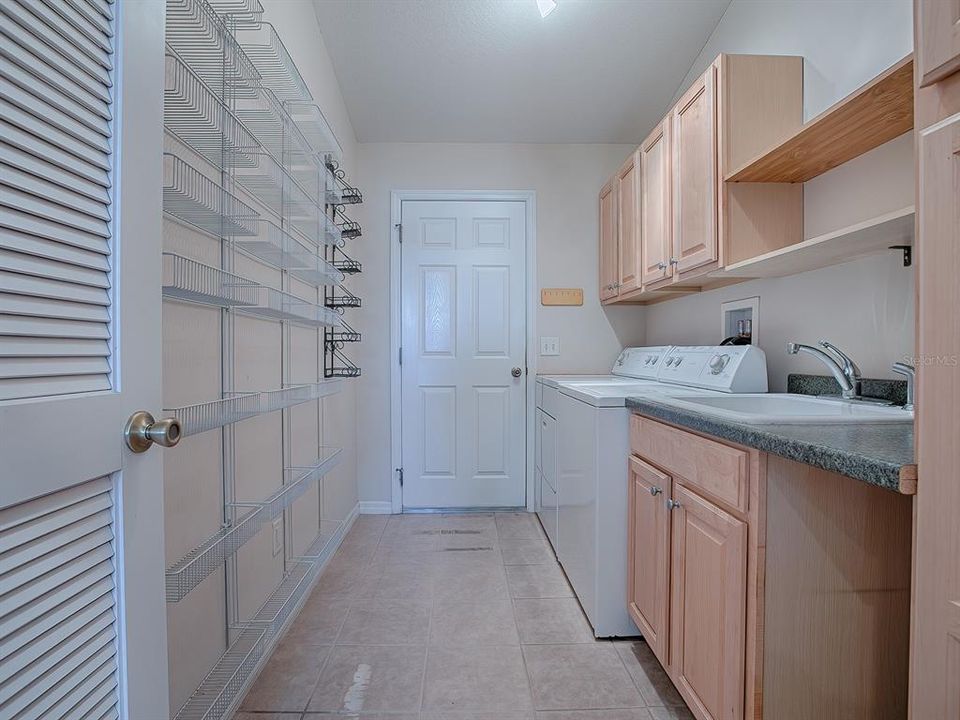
column 14, row 262
column 31, row 164
column 52, row 347
column 56, row 143
column 42, row 248
column 41, row 34
column 74, row 93
column 57, row 612
column 67, row 78
column 52, row 155
column 19, row 45
column 39, row 186
column 69, row 38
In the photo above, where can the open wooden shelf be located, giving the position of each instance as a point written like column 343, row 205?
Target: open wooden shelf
column 849, row 243
column 872, row 115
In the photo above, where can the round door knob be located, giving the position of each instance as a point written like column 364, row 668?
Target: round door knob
column 516, row 372
column 661, row 266
column 142, row 431
column 672, row 504
column 654, row 490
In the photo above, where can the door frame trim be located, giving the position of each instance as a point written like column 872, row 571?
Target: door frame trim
column 397, row 197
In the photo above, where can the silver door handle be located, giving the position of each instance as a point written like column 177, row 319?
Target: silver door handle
column 654, row 490
column 142, row 431
column 516, row 372
column 672, row 504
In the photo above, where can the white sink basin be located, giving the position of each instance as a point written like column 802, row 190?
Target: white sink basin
column 785, row 409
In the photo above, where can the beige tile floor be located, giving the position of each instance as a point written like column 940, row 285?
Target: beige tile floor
column 453, row 617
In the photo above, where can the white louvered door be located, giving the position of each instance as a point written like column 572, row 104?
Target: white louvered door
column 82, row 612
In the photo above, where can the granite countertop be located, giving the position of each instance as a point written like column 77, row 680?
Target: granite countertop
column 880, row 454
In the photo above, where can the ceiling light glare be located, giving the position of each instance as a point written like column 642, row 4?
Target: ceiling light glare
column 546, row 7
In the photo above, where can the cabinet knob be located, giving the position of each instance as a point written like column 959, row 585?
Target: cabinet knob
column 674, row 261
column 672, row 504
column 654, row 490
column 661, row 266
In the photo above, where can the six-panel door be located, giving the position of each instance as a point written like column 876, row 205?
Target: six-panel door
column 648, row 554
column 628, row 230
column 694, row 171
column 655, row 223
column 609, row 253
column 707, row 606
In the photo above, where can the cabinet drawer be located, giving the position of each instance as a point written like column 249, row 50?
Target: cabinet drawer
column 716, row 469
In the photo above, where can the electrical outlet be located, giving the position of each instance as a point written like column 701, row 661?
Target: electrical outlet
column 549, row 345
column 277, row 536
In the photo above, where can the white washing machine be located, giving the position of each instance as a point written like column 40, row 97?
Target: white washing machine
column 591, row 440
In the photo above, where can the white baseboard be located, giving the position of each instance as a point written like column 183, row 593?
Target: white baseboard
column 375, row 507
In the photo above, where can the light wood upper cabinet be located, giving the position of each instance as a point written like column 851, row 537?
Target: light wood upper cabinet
column 938, row 27
column 655, row 214
column 609, row 252
column 628, row 228
column 695, row 175
column 708, row 596
column 648, row 553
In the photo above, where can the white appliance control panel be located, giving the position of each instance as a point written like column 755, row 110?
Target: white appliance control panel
column 640, row 362
column 724, row 368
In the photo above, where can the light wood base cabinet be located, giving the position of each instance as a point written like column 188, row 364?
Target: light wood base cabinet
column 765, row 587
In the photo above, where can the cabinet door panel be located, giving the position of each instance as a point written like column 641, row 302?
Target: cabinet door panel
column 695, row 175
column 938, row 49
column 655, row 223
column 609, row 254
column 628, row 231
column 648, row 555
column 708, row 596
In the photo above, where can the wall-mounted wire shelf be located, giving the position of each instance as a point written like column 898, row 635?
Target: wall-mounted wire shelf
column 337, row 365
column 264, row 116
column 186, row 279
column 350, row 229
column 194, row 114
column 339, row 297
column 344, row 263
column 203, row 41
column 275, row 612
column 201, row 417
column 200, row 563
column 222, row 686
column 341, row 335
column 192, row 197
column 238, row 12
column 334, row 191
column 314, row 127
column 285, row 251
column 350, row 195
column 275, row 304
column 297, row 480
column 271, row 59
column 316, row 226
column 197, row 565
column 267, row 181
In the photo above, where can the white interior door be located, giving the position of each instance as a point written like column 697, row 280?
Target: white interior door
column 82, row 612
column 463, row 374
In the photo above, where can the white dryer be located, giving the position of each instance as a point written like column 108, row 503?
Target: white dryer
column 592, row 447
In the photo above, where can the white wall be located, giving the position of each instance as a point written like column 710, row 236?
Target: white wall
column 866, row 306
column 566, row 179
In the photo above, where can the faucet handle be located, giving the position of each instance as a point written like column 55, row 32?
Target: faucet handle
column 910, row 372
column 850, row 368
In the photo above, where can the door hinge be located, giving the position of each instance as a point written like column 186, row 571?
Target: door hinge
column 399, row 227
column 400, row 473
column 400, row 355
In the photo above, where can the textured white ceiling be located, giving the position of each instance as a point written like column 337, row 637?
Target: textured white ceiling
column 494, row 71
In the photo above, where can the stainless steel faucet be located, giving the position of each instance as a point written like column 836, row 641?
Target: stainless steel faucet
column 843, row 369
column 911, row 374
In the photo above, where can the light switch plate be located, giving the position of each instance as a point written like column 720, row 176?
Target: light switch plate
column 277, row 536
column 549, row 345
